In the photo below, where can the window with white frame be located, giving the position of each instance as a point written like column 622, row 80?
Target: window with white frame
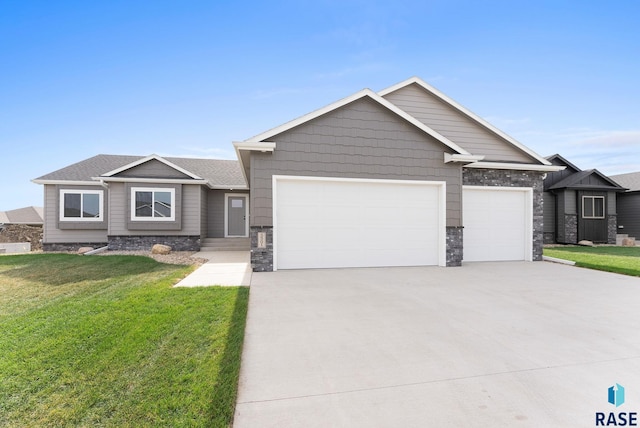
column 593, row 207
column 153, row 204
column 81, row 205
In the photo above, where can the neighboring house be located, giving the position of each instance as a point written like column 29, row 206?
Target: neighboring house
column 579, row 205
column 402, row 177
column 133, row 202
column 629, row 204
column 31, row 216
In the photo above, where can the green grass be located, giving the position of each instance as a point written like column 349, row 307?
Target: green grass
column 624, row 260
column 107, row 341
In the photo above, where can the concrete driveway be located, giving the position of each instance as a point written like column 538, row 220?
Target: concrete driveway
column 487, row 345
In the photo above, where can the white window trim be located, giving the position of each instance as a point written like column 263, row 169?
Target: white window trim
column 593, row 206
column 226, row 214
column 153, row 190
column 100, row 194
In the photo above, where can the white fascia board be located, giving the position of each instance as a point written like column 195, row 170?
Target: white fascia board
column 448, row 157
column 340, row 103
column 147, row 159
column 262, row 146
column 515, row 166
column 67, row 182
column 149, row 180
column 466, row 112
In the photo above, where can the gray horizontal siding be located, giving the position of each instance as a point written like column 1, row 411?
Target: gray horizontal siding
column 360, row 140
column 53, row 234
column 152, row 169
column 454, row 125
column 189, row 212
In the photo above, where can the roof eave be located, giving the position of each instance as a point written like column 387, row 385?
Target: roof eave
column 515, row 166
column 150, row 180
column 66, row 182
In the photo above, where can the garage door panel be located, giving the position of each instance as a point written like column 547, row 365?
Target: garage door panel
column 497, row 224
column 352, row 223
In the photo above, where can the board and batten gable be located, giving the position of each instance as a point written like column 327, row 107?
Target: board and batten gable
column 359, row 140
column 456, row 126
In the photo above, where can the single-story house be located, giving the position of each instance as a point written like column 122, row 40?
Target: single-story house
column 579, row 205
column 629, row 204
column 31, row 216
column 401, row 177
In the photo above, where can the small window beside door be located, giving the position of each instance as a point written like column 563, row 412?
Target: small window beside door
column 593, row 207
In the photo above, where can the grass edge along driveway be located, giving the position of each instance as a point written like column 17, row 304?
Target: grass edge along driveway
column 107, row 341
column 623, row 260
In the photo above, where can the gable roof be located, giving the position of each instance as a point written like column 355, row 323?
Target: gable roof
column 630, row 180
column 364, row 93
column 560, row 160
column 26, row 215
column 469, row 114
column 148, row 159
column 589, row 179
column 216, row 173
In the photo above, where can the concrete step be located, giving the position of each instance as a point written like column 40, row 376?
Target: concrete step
column 623, row 238
column 225, row 244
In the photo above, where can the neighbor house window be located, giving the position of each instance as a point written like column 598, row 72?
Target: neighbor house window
column 593, row 207
column 81, row 205
column 153, row 204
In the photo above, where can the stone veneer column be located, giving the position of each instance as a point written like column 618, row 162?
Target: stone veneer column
column 612, row 228
column 454, row 245
column 570, row 229
column 261, row 258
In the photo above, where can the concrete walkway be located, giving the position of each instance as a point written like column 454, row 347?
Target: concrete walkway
column 231, row 268
column 510, row 344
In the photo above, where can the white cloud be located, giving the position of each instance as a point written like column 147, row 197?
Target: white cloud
column 609, row 151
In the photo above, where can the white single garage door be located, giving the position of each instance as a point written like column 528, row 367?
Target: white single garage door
column 330, row 222
column 497, row 223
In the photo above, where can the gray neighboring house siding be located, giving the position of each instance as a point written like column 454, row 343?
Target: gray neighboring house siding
column 629, row 204
column 566, row 190
column 629, row 214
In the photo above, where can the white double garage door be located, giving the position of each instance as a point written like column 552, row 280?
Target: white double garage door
column 338, row 222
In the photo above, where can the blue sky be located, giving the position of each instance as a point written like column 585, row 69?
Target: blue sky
column 79, row 78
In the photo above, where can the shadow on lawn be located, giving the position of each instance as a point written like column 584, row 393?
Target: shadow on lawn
column 225, row 391
column 59, row 269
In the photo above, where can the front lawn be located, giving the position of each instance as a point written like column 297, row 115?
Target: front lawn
column 107, row 341
column 625, row 260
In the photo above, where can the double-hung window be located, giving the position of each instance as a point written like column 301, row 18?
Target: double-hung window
column 81, row 205
column 153, row 204
column 593, row 207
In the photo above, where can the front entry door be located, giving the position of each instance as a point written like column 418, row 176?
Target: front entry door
column 236, row 216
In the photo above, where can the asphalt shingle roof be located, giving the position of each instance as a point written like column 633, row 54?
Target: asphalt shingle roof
column 217, row 172
column 630, row 180
column 26, row 215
